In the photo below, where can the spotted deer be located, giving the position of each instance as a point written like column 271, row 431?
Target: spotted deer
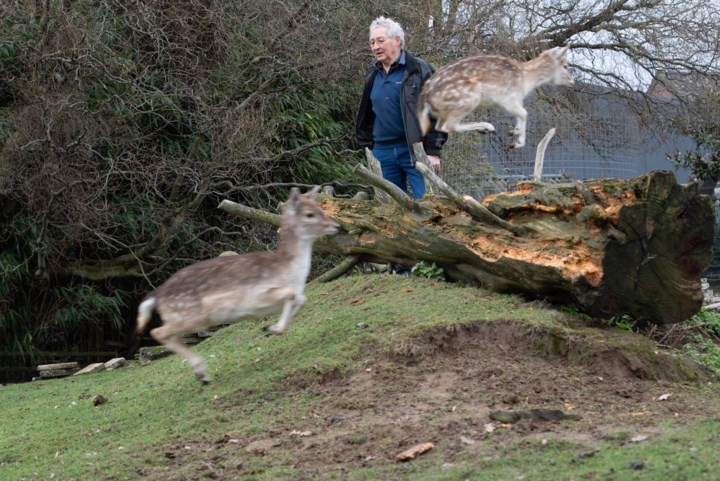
column 228, row 289
column 458, row 88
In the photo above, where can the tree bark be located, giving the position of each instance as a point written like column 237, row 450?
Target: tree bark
column 610, row 247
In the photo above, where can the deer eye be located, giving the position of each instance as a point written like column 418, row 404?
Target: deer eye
column 309, row 215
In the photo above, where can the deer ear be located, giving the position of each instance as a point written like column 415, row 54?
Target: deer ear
column 292, row 201
column 560, row 51
column 311, row 193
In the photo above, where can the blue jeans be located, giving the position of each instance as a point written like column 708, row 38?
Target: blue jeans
column 398, row 168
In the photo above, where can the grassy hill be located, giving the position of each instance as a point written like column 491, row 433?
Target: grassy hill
column 372, row 366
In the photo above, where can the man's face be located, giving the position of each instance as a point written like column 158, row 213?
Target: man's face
column 385, row 48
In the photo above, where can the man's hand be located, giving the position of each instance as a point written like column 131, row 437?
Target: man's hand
column 435, row 162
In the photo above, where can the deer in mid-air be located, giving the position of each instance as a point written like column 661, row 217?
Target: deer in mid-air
column 228, row 289
column 458, row 88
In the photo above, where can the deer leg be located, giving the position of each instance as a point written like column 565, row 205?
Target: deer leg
column 452, row 123
column 292, row 305
column 483, row 127
column 521, row 122
column 175, row 343
column 440, row 126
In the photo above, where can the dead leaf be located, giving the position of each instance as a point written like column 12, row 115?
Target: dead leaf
column 489, row 427
column 415, row 451
column 663, row 397
column 295, row 432
column 357, row 301
column 638, row 439
column 466, row 440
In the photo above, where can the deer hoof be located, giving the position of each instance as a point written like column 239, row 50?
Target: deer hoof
column 272, row 330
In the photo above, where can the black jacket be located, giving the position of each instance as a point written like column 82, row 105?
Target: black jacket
column 417, row 71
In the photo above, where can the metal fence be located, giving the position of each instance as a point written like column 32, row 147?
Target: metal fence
column 602, row 137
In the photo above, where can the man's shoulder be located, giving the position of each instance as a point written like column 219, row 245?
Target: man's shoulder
column 417, row 63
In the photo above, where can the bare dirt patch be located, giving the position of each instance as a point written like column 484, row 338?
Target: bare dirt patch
column 446, row 394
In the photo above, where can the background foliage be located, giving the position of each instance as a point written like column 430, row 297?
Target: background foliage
column 123, row 124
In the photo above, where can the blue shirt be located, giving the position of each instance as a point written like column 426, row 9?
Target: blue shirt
column 388, row 128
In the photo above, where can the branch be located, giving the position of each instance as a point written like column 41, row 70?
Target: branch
column 467, row 203
column 587, row 24
column 477, row 210
column 249, row 213
column 391, row 189
column 337, row 271
column 540, row 154
column 377, row 170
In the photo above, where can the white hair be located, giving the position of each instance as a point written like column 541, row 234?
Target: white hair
column 394, row 28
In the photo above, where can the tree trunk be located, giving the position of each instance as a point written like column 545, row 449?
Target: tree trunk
column 610, row 247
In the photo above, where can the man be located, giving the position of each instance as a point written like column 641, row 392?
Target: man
column 387, row 121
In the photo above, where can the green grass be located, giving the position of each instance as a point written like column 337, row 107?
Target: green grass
column 52, row 430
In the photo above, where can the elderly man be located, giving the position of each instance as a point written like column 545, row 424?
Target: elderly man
column 387, row 121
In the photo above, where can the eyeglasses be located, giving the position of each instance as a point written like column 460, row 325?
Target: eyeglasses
column 373, row 41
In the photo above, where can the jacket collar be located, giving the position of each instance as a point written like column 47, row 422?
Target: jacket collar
column 402, row 60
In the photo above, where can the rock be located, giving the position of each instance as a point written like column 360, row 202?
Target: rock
column 57, row 366
column 261, row 446
column 147, row 354
column 114, row 363
column 99, row 399
column 336, row 419
column 95, row 367
column 50, row 373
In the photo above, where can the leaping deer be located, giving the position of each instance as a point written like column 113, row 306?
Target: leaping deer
column 232, row 288
column 458, row 88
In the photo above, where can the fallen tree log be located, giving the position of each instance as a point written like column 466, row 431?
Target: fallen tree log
column 611, row 247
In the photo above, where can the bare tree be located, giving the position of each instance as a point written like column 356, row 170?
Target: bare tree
column 621, row 45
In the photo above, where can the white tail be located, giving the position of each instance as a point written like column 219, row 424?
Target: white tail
column 488, row 80
column 231, row 288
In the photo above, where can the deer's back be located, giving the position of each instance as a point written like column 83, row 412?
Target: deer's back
column 480, row 79
column 244, row 279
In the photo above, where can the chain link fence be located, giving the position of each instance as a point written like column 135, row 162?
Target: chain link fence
column 599, row 135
